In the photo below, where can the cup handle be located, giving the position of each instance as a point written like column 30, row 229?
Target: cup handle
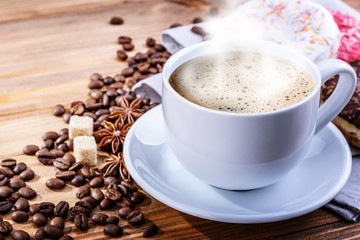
column 342, row 93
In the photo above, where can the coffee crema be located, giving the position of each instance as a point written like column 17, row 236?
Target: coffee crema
column 241, row 81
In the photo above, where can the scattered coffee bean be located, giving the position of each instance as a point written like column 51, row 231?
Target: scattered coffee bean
column 96, row 84
column 83, row 192
column 58, row 221
column 116, row 21
column 58, row 153
column 137, row 197
column 34, row 208
column 92, row 201
column 8, row 172
column 197, row 20
column 97, row 194
column 19, row 216
column 124, row 39
column 113, row 194
column 97, row 182
column 55, row 183
column 124, row 211
column 125, row 202
column 128, row 46
column 40, row 234
column 67, row 116
column 53, row 231
column 19, row 168
column 150, row 42
column 198, row 30
column 61, row 164
column 159, row 47
column 112, row 220
column 5, row 206
column 111, row 179
column 30, row 149
column 47, row 208
column 5, row 191
column 121, row 55
column 128, row 186
column 52, row 135
column 77, row 107
column 76, row 166
column 61, row 139
column 64, row 131
column 87, row 172
column 113, row 230
column 27, row 175
column 78, row 181
column 58, row 110
column 81, row 221
column 5, row 228
column 49, row 144
column 9, row 162
column 22, row 205
column 46, row 158
column 4, row 180
column 150, row 231
column 20, row 235
column 106, row 203
column 13, row 197
column 39, row 219
column 135, row 217
column 66, row 175
column 27, row 192
column 174, row 25
column 61, row 209
column 99, row 218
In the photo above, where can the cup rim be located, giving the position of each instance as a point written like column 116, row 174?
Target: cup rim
column 254, row 45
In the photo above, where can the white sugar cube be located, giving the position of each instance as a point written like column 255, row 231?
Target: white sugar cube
column 85, row 150
column 80, row 126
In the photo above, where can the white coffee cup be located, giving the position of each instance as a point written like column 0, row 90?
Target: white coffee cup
column 238, row 151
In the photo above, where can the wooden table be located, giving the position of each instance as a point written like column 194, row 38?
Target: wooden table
column 48, row 49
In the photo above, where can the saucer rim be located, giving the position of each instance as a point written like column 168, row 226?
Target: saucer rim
column 238, row 218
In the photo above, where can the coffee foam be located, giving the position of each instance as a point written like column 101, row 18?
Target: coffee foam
column 241, row 81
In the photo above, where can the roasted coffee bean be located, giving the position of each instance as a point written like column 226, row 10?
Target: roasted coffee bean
column 105, row 101
column 81, row 221
column 53, row 231
column 58, row 153
column 49, row 144
column 64, row 131
column 198, row 30
column 22, row 205
column 97, row 194
column 113, row 194
column 40, row 234
column 128, row 46
column 20, row 235
column 122, row 189
column 119, row 78
column 128, row 72
column 27, row 192
column 5, row 206
column 61, row 164
column 113, row 230
column 150, row 42
column 55, row 183
column 106, row 203
column 47, row 208
column 150, row 231
column 58, row 221
column 52, row 135
column 81, row 209
column 141, row 57
column 128, row 186
column 124, row 211
column 39, row 219
column 66, row 175
column 34, row 208
column 63, row 147
column 61, row 209
column 121, row 55
column 143, row 68
column 99, row 218
column 19, row 216
column 61, row 139
column 4, row 180
column 76, row 166
column 174, row 25
column 69, row 157
column 137, row 197
column 159, row 47
column 30, row 149
column 8, row 172
column 102, row 111
column 19, row 168
column 42, row 151
column 112, row 93
column 108, row 80
column 67, row 116
column 14, row 197
column 5, row 191
column 9, row 162
column 97, row 182
column 116, row 21
column 46, row 158
column 95, row 94
column 90, row 200
column 87, row 172
column 78, row 181
column 96, row 76
column 125, row 202
column 124, row 39
column 111, row 179
column 112, row 220
column 66, row 237
column 27, row 175
column 130, row 96
column 83, row 192
column 135, row 217
column 90, row 114
column 5, row 228
column 96, row 84
column 102, row 118
column 58, row 110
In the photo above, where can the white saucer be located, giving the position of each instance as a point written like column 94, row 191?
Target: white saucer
column 309, row 186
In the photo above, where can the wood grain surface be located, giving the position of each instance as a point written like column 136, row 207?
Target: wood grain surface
column 48, row 50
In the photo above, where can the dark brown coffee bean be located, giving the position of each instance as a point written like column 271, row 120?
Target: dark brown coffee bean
column 90, row 200
column 49, row 144
column 46, row 158
column 76, row 166
column 5, row 206
column 19, row 216
column 66, row 237
column 105, row 101
column 159, row 47
column 116, row 21
column 58, row 153
column 130, row 96
column 102, row 118
column 52, row 135
column 97, row 194
column 67, row 116
column 58, row 110
column 174, row 25
column 14, row 197
column 8, row 172
column 113, row 230
column 124, row 211
column 4, row 180
column 30, row 149
column 42, row 151
column 106, row 203
column 22, row 205
column 150, row 231
column 58, row 221
column 113, row 194
column 27, row 192
column 69, row 157
column 78, row 181
column 97, row 182
column 63, row 147
column 95, row 94
column 128, row 46
column 111, row 179
column 40, row 234
column 9, row 162
column 34, row 208
column 55, row 183
column 128, row 72
column 20, row 235
column 19, row 168
column 61, row 139
column 112, row 220
column 124, row 39
column 112, row 93
column 125, row 202
column 108, row 80
column 5, row 191
column 66, row 175
column 27, row 175
column 137, row 197
column 87, row 172
column 96, row 84
column 83, row 192
column 47, row 208
column 129, row 187
column 96, row 76
column 64, row 131
column 5, row 228
column 198, row 30
column 99, row 218
column 121, row 55
column 197, row 20
column 150, row 42
column 61, row 209
column 81, row 221
column 135, row 217
column 53, row 231
column 39, row 220
column 143, row 68
column 62, row 164
column 119, row 78
column 81, row 207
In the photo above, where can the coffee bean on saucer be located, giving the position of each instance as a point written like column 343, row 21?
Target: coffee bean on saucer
column 30, row 149
column 53, row 231
column 9, row 162
column 27, row 175
column 55, row 183
column 20, row 235
column 150, row 231
column 22, row 205
column 61, row 209
column 19, row 216
column 198, row 30
column 58, row 110
column 116, row 21
column 27, row 192
column 39, row 219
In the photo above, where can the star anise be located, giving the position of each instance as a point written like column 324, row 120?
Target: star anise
column 112, row 135
column 115, row 166
column 128, row 111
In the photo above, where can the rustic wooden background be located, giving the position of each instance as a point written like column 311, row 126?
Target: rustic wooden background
column 48, row 49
